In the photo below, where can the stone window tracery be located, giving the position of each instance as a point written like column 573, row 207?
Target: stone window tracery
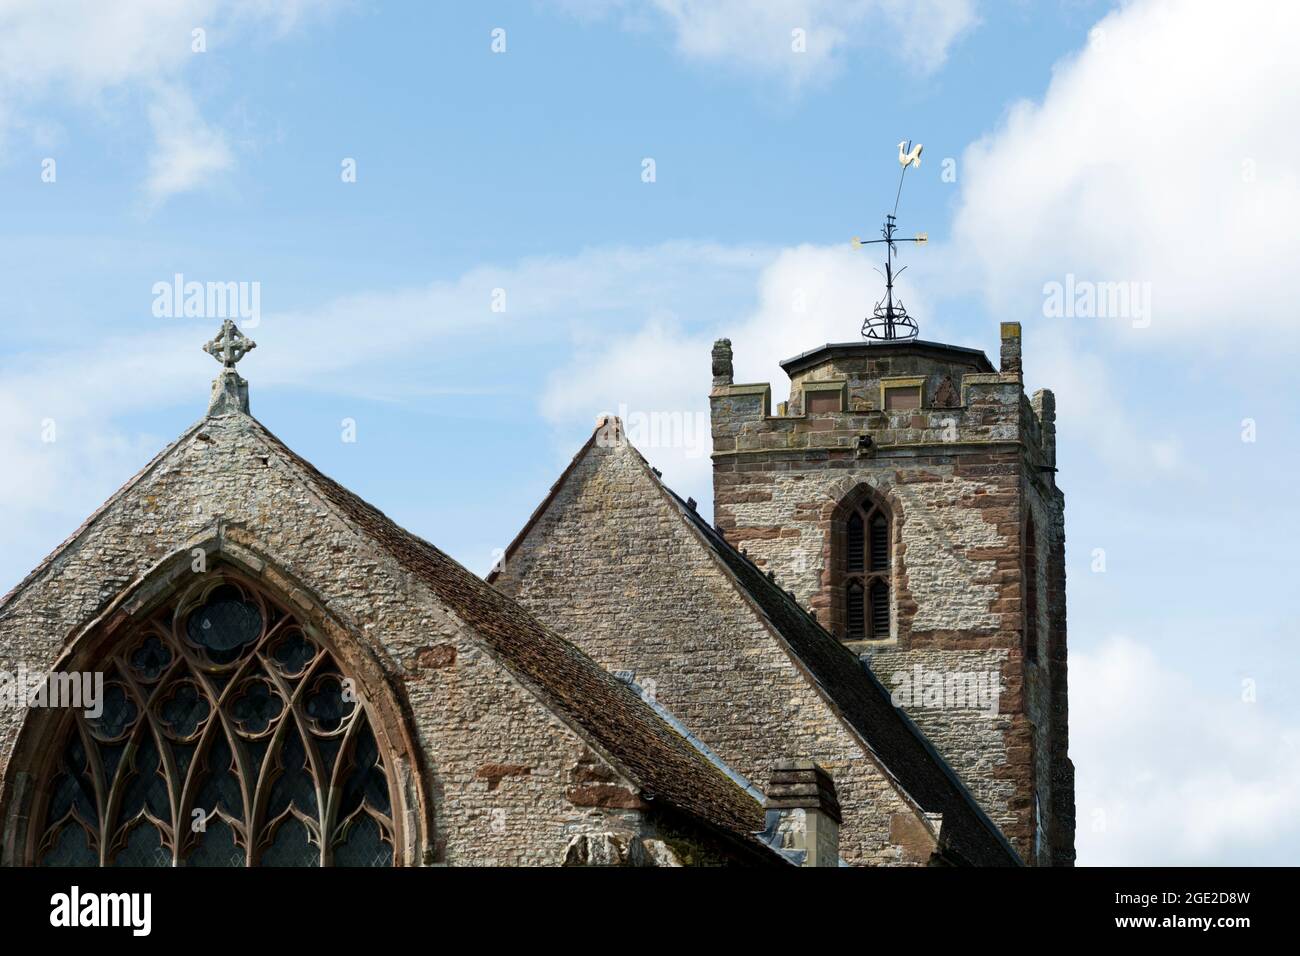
column 228, row 736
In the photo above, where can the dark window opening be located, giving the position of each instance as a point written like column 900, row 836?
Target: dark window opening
column 864, row 574
column 879, row 608
column 856, row 612
column 856, row 532
column 879, row 543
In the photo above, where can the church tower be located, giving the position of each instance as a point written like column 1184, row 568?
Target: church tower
column 906, row 494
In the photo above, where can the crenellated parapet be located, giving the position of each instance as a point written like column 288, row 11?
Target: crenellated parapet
column 903, row 395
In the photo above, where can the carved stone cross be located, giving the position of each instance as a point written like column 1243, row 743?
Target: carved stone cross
column 230, row 345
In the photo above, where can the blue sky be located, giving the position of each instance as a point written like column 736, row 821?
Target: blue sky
column 1142, row 142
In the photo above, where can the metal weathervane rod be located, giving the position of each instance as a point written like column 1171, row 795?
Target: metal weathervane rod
column 890, row 321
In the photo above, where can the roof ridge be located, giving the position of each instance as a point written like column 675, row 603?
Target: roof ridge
column 545, row 503
column 635, row 739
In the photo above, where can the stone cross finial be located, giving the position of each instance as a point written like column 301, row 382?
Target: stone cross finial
column 230, row 345
column 229, row 390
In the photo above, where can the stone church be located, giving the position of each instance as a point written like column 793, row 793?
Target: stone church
column 861, row 660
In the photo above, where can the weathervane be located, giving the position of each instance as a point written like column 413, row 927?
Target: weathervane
column 889, row 320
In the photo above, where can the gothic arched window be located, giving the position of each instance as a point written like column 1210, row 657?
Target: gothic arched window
column 864, row 572
column 228, row 737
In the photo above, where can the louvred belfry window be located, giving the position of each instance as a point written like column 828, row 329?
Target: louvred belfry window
column 865, row 572
column 228, row 737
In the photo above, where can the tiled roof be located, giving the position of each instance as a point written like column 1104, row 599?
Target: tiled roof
column 575, row 688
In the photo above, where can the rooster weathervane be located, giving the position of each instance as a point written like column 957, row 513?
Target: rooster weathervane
column 889, row 320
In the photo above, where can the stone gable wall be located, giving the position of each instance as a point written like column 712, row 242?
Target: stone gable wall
column 613, row 566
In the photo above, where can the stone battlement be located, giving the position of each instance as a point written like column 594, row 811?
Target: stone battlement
column 902, row 395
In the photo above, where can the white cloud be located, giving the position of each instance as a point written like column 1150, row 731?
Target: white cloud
column 806, row 296
column 1168, row 772
column 80, row 51
column 84, row 47
column 758, row 36
column 1163, row 152
column 189, row 152
column 1099, row 409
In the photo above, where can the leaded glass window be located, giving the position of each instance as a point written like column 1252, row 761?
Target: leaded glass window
column 228, row 737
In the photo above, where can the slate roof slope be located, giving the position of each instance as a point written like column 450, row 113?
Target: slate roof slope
column 866, row 705
column 575, row 687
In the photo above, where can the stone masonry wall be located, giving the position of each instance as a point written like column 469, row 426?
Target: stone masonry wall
column 1046, row 681
column 959, row 475
column 467, row 716
column 613, row 566
column 949, row 602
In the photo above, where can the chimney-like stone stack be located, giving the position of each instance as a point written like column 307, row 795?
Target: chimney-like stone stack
column 1011, row 347
column 803, row 810
column 1044, row 406
column 722, row 370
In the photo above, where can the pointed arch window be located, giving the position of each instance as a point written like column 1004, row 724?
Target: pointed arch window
column 865, row 571
column 228, row 737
